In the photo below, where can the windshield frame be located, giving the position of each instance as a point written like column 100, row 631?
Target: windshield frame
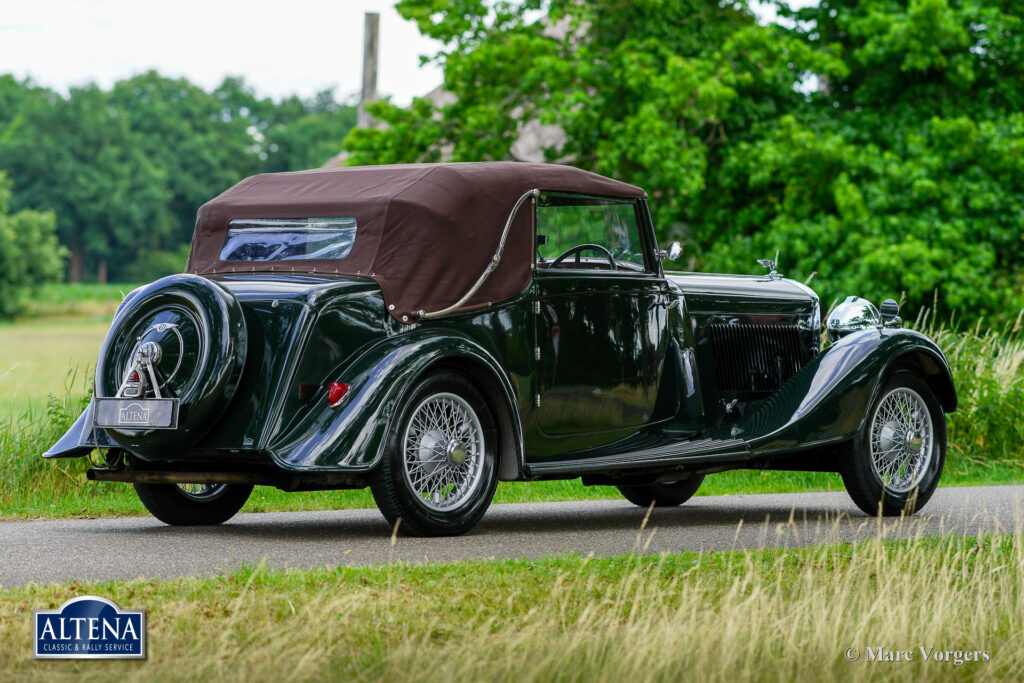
column 650, row 265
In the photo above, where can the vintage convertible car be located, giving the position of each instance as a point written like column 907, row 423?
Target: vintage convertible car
column 429, row 330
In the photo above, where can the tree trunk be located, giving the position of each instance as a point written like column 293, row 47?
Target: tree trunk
column 76, row 265
column 101, row 271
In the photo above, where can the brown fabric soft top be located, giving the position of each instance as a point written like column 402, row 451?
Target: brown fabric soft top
column 425, row 232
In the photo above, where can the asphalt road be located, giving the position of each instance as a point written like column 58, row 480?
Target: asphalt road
column 127, row 548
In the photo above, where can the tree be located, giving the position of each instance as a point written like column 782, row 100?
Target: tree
column 875, row 145
column 188, row 134
column 79, row 158
column 306, row 133
column 29, row 252
column 125, row 171
column 289, row 135
column 901, row 174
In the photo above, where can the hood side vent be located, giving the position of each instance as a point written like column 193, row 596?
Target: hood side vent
column 752, row 359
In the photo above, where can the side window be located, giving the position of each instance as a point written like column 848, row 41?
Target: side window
column 566, row 221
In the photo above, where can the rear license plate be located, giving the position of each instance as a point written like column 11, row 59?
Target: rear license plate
column 137, row 413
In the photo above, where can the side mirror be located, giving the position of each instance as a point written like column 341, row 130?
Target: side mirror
column 674, row 251
column 888, row 311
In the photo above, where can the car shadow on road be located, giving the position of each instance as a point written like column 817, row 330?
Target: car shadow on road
column 508, row 521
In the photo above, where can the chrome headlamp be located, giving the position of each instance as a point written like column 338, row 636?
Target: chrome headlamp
column 852, row 315
column 857, row 314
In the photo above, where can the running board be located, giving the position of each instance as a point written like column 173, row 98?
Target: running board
column 679, row 453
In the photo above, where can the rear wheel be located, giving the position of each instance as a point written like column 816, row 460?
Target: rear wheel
column 893, row 465
column 439, row 471
column 663, row 495
column 193, row 504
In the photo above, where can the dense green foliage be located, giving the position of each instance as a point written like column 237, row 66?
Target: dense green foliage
column 29, row 253
column 878, row 146
column 125, row 170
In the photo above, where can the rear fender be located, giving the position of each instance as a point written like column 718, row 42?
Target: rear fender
column 352, row 437
column 827, row 401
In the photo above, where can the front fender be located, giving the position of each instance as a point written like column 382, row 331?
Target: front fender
column 828, row 400
column 352, row 437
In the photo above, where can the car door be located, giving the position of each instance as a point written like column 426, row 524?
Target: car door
column 601, row 332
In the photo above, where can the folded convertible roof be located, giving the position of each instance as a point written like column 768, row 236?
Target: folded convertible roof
column 425, row 232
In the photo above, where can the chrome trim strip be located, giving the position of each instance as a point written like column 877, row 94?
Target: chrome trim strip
column 495, row 260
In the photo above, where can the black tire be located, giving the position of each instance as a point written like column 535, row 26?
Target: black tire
column 391, row 484
column 171, row 505
column 860, row 475
column 663, row 495
column 201, row 329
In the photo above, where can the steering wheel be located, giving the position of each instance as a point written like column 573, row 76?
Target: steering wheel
column 584, row 247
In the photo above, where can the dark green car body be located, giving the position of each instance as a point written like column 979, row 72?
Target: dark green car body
column 612, row 376
column 428, row 330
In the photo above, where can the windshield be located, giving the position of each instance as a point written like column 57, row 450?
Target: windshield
column 288, row 239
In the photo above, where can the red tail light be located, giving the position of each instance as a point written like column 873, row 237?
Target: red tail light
column 134, row 377
column 335, row 393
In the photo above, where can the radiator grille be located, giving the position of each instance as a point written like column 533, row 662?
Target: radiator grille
column 754, row 358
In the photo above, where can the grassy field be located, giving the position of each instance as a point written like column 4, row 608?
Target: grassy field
column 53, row 349
column 777, row 615
column 45, row 371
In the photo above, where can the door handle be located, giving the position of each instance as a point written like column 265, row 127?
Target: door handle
column 669, row 302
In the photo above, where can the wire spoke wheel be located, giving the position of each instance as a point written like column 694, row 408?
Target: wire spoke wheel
column 202, row 492
column 902, row 439
column 443, row 447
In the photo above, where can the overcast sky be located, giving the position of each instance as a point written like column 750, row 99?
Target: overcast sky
column 281, row 47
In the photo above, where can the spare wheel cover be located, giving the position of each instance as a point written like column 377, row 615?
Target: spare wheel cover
column 200, row 328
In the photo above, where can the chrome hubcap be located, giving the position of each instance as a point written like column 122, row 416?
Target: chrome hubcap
column 902, row 441
column 444, row 452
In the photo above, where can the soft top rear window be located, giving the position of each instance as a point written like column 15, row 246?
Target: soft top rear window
column 288, row 239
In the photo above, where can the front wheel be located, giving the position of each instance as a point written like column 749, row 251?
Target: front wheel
column 439, row 471
column 893, row 465
column 193, row 504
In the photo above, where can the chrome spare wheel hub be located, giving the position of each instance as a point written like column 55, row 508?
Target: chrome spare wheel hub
column 902, row 441
column 443, row 444
column 143, row 361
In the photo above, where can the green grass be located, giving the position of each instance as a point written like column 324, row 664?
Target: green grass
column 102, row 499
column 79, row 300
column 44, row 357
column 52, row 348
column 772, row 615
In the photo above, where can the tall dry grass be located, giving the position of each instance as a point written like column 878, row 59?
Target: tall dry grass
column 756, row 615
column 988, row 371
